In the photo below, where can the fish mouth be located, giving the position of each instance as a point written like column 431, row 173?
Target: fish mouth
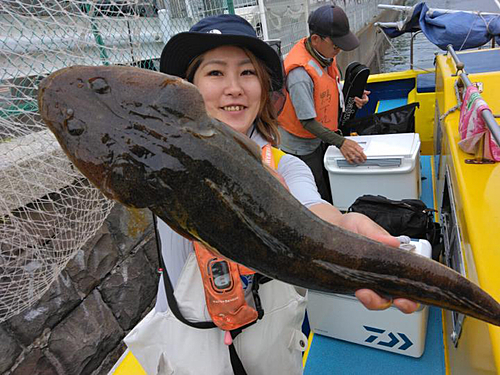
column 42, row 87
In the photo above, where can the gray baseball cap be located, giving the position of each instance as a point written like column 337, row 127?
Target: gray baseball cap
column 331, row 21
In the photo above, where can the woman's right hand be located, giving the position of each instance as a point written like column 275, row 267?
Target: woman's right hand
column 374, row 301
column 363, row 225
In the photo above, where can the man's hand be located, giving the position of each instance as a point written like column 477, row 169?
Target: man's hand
column 352, row 152
column 360, row 102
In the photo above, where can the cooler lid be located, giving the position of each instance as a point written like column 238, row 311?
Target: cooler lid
column 382, row 146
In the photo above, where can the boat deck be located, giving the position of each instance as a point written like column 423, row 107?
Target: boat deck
column 327, row 355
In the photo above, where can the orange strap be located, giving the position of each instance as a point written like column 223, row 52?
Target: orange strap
column 224, row 294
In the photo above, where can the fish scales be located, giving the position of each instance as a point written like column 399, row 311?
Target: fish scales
column 144, row 139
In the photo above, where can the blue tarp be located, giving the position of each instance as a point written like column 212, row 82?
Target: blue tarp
column 460, row 29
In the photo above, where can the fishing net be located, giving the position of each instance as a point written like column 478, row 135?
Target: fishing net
column 48, row 210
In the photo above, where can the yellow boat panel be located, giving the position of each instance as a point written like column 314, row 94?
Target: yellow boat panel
column 387, row 77
column 129, row 366
column 424, row 115
column 476, row 190
column 309, row 343
column 424, row 119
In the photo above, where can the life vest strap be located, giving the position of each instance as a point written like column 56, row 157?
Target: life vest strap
column 271, row 157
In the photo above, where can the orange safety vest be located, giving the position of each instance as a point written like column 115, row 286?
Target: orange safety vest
column 224, row 294
column 326, row 92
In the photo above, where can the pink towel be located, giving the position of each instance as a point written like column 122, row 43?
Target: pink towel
column 472, row 127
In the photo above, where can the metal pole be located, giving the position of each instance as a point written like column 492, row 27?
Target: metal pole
column 413, row 36
column 458, row 63
column 492, row 124
column 98, row 38
column 263, row 20
column 164, row 19
column 411, row 51
column 230, row 6
column 488, row 117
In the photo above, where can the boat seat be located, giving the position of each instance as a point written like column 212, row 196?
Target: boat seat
column 387, row 104
column 426, row 82
column 488, row 62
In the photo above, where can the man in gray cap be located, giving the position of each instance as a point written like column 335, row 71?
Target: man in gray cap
column 309, row 119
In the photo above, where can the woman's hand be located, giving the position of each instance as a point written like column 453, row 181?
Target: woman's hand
column 373, row 301
column 363, row 225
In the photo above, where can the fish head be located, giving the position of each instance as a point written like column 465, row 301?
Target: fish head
column 113, row 122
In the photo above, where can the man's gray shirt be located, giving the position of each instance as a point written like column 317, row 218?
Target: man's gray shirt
column 301, row 89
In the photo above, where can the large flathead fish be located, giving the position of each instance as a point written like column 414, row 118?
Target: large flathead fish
column 144, row 139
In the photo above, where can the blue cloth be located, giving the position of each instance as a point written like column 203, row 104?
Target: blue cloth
column 460, row 29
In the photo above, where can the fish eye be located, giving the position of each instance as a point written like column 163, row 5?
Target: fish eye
column 74, row 126
column 99, row 85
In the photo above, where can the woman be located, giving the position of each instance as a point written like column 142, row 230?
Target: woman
column 218, row 55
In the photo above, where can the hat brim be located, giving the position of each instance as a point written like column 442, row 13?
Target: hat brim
column 347, row 42
column 182, row 48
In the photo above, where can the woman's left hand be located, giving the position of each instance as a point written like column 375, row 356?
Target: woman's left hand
column 363, row 225
column 360, row 102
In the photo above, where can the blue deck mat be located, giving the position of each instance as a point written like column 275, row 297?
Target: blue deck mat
column 427, row 194
column 331, row 356
column 387, row 104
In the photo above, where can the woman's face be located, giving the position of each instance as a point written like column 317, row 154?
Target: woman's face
column 230, row 87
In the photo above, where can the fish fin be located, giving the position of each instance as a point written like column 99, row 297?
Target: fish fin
column 175, row 227
column 182, row 233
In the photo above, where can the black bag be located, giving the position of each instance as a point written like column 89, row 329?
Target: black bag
column 409, row 217
column 356, row 75
column 396, row 120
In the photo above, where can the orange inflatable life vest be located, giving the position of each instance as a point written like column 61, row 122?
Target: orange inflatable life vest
column 224, row 293
column 326, row 92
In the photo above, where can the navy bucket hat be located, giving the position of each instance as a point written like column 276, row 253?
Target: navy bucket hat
column 212, row 32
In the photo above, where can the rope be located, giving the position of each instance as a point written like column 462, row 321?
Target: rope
column 453, row 109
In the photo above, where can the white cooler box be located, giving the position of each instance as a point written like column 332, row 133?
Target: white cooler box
column 392, row 169
column 344, row 317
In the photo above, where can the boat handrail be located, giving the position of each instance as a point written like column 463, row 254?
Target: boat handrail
column 487, row 115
